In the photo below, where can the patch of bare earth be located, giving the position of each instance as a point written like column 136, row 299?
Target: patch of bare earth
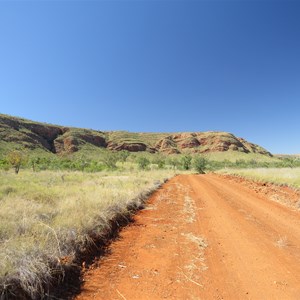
column 202, row 237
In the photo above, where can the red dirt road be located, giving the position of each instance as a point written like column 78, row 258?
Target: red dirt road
column 202, row 237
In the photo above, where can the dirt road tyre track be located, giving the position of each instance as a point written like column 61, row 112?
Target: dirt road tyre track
column 202, row 237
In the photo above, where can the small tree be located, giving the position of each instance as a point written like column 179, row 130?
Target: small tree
column 200, row 164
column 15, row 159
column 186, row 162
column 33, row 162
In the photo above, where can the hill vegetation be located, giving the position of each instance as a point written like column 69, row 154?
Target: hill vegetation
column 18, row 132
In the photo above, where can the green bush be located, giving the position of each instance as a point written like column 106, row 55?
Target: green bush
column 159, row 161
column 143, row 162
column 186, row 162
column 200, row 164
column 122, row 155
column 173, row 162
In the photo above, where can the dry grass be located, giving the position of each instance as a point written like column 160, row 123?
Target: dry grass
column 47, row 217
column 282, row 242
column 200, row 241
column 189, row 209
column 288, row 176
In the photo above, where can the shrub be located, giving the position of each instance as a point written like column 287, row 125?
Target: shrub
column 200, row 164
column 174, row 162
column 186, row 162
column 122, row 155
column 159, row 161
column 4, row 164
column 143, row 162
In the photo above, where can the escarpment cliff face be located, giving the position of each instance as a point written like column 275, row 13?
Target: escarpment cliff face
column 59, row 139
column 202, row 142
column 28, row 134
column 56, row 139
column 73, row 139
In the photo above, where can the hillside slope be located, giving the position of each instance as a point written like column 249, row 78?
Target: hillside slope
column 19, row 132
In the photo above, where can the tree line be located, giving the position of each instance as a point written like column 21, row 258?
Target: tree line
column 108, row 160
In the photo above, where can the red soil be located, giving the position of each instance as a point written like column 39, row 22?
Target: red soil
column 203, row 237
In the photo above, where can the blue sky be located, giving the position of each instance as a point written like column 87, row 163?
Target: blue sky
column 158, row 66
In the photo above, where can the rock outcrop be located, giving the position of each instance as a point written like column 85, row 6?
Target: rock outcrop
column 202, row 142
column 56, row 139
column 129, row 146
column 60, row 140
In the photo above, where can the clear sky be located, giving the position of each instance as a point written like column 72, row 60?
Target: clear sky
column 158, row 66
